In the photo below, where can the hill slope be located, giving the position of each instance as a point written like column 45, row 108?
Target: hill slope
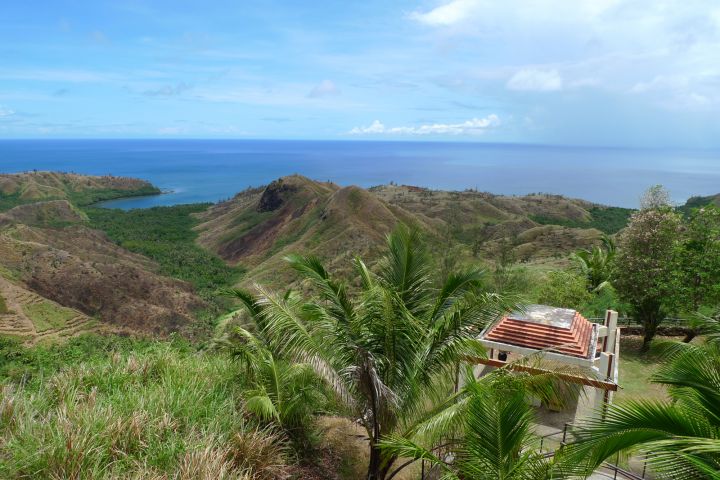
column 295, row 214
column 65, row 272
column 537, row 226
column 259, row 227
column 20, row 188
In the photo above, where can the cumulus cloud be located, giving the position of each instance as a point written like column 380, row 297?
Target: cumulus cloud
column 6, row 112
column 474, row 126
column 535, row 80
column 326, row 88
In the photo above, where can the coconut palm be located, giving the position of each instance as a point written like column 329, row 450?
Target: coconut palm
column 390, row 347
column 486, row 431
column 276, row 389
column 680, row 438
column 596, row 264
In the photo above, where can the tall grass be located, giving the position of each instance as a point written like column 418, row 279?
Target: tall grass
column 161, row 413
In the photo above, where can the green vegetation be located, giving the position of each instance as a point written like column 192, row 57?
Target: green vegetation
column 680, row 438
column 46, row 315
column 156, row 410
column 609, row 220
column 401, row 336
column 636, row 371
column 90, row 196
column 487, row 429
column 19, row 363
column 384, row 352
column 564, row 289
column 79, row 198
column 165, row 234
column 596, row 264
column 699, row 202
column 275, row 389
column 668, row 264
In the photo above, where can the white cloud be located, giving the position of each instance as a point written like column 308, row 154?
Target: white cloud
column 375, row 127
column 448, row 14
column 535, row 80
column 6, row 112
column 325, row 88
column 479, row 12
column 474, row 126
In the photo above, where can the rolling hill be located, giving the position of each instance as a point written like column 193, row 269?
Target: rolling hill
column 258, row 227
column 21, row 188
column 88, row 279
column 58, row 277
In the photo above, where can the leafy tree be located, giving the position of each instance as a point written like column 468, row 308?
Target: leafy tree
column 596, row 264
column 564, row 289
column 697, row 262
column 654, row 197
column 486, row 431
column 644, row 273
column 681, row 438
column 389, row 348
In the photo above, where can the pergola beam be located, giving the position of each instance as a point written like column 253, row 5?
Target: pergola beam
column 590, row 382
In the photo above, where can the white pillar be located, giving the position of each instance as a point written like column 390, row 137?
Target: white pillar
column 601, row 397
column 611, row 318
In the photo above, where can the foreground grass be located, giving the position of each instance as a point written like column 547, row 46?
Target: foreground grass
column 156, row 410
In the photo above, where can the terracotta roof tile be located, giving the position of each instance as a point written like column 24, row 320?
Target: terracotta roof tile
column 546, row 328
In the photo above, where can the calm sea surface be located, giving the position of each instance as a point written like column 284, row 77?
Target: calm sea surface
column 211, row 170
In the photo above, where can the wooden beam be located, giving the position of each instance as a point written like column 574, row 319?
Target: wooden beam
column 609, row 386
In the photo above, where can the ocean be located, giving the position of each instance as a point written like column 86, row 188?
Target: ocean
column 212, row 170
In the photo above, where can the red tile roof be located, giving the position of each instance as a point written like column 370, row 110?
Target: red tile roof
column 546, row 328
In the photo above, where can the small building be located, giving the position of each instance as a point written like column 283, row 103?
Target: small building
column 560, row 337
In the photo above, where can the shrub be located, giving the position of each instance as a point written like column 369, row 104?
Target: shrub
column 564, row 289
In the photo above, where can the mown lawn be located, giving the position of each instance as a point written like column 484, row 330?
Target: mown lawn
column 636, row 369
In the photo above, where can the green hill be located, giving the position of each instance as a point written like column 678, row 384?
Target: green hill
column 21, row 188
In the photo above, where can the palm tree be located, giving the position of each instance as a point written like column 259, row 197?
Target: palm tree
column 276, row 389
column 680, row 438
column 390, row 348
column 487, row 431
column 596, row 264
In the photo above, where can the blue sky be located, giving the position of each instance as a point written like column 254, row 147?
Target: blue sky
column 588, row 72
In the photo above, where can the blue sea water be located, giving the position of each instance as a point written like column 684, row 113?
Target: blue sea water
column 211, row 170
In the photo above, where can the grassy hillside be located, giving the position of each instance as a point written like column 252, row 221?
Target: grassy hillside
column 130, row 410
column 81, row 268
column 111, row 408
column 259, row 227
column 29, row 187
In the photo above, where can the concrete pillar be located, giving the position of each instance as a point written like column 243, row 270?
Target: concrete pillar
column 611, row 318
column 601, row 397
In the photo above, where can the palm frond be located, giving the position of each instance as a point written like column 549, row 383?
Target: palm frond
column 406, row 269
